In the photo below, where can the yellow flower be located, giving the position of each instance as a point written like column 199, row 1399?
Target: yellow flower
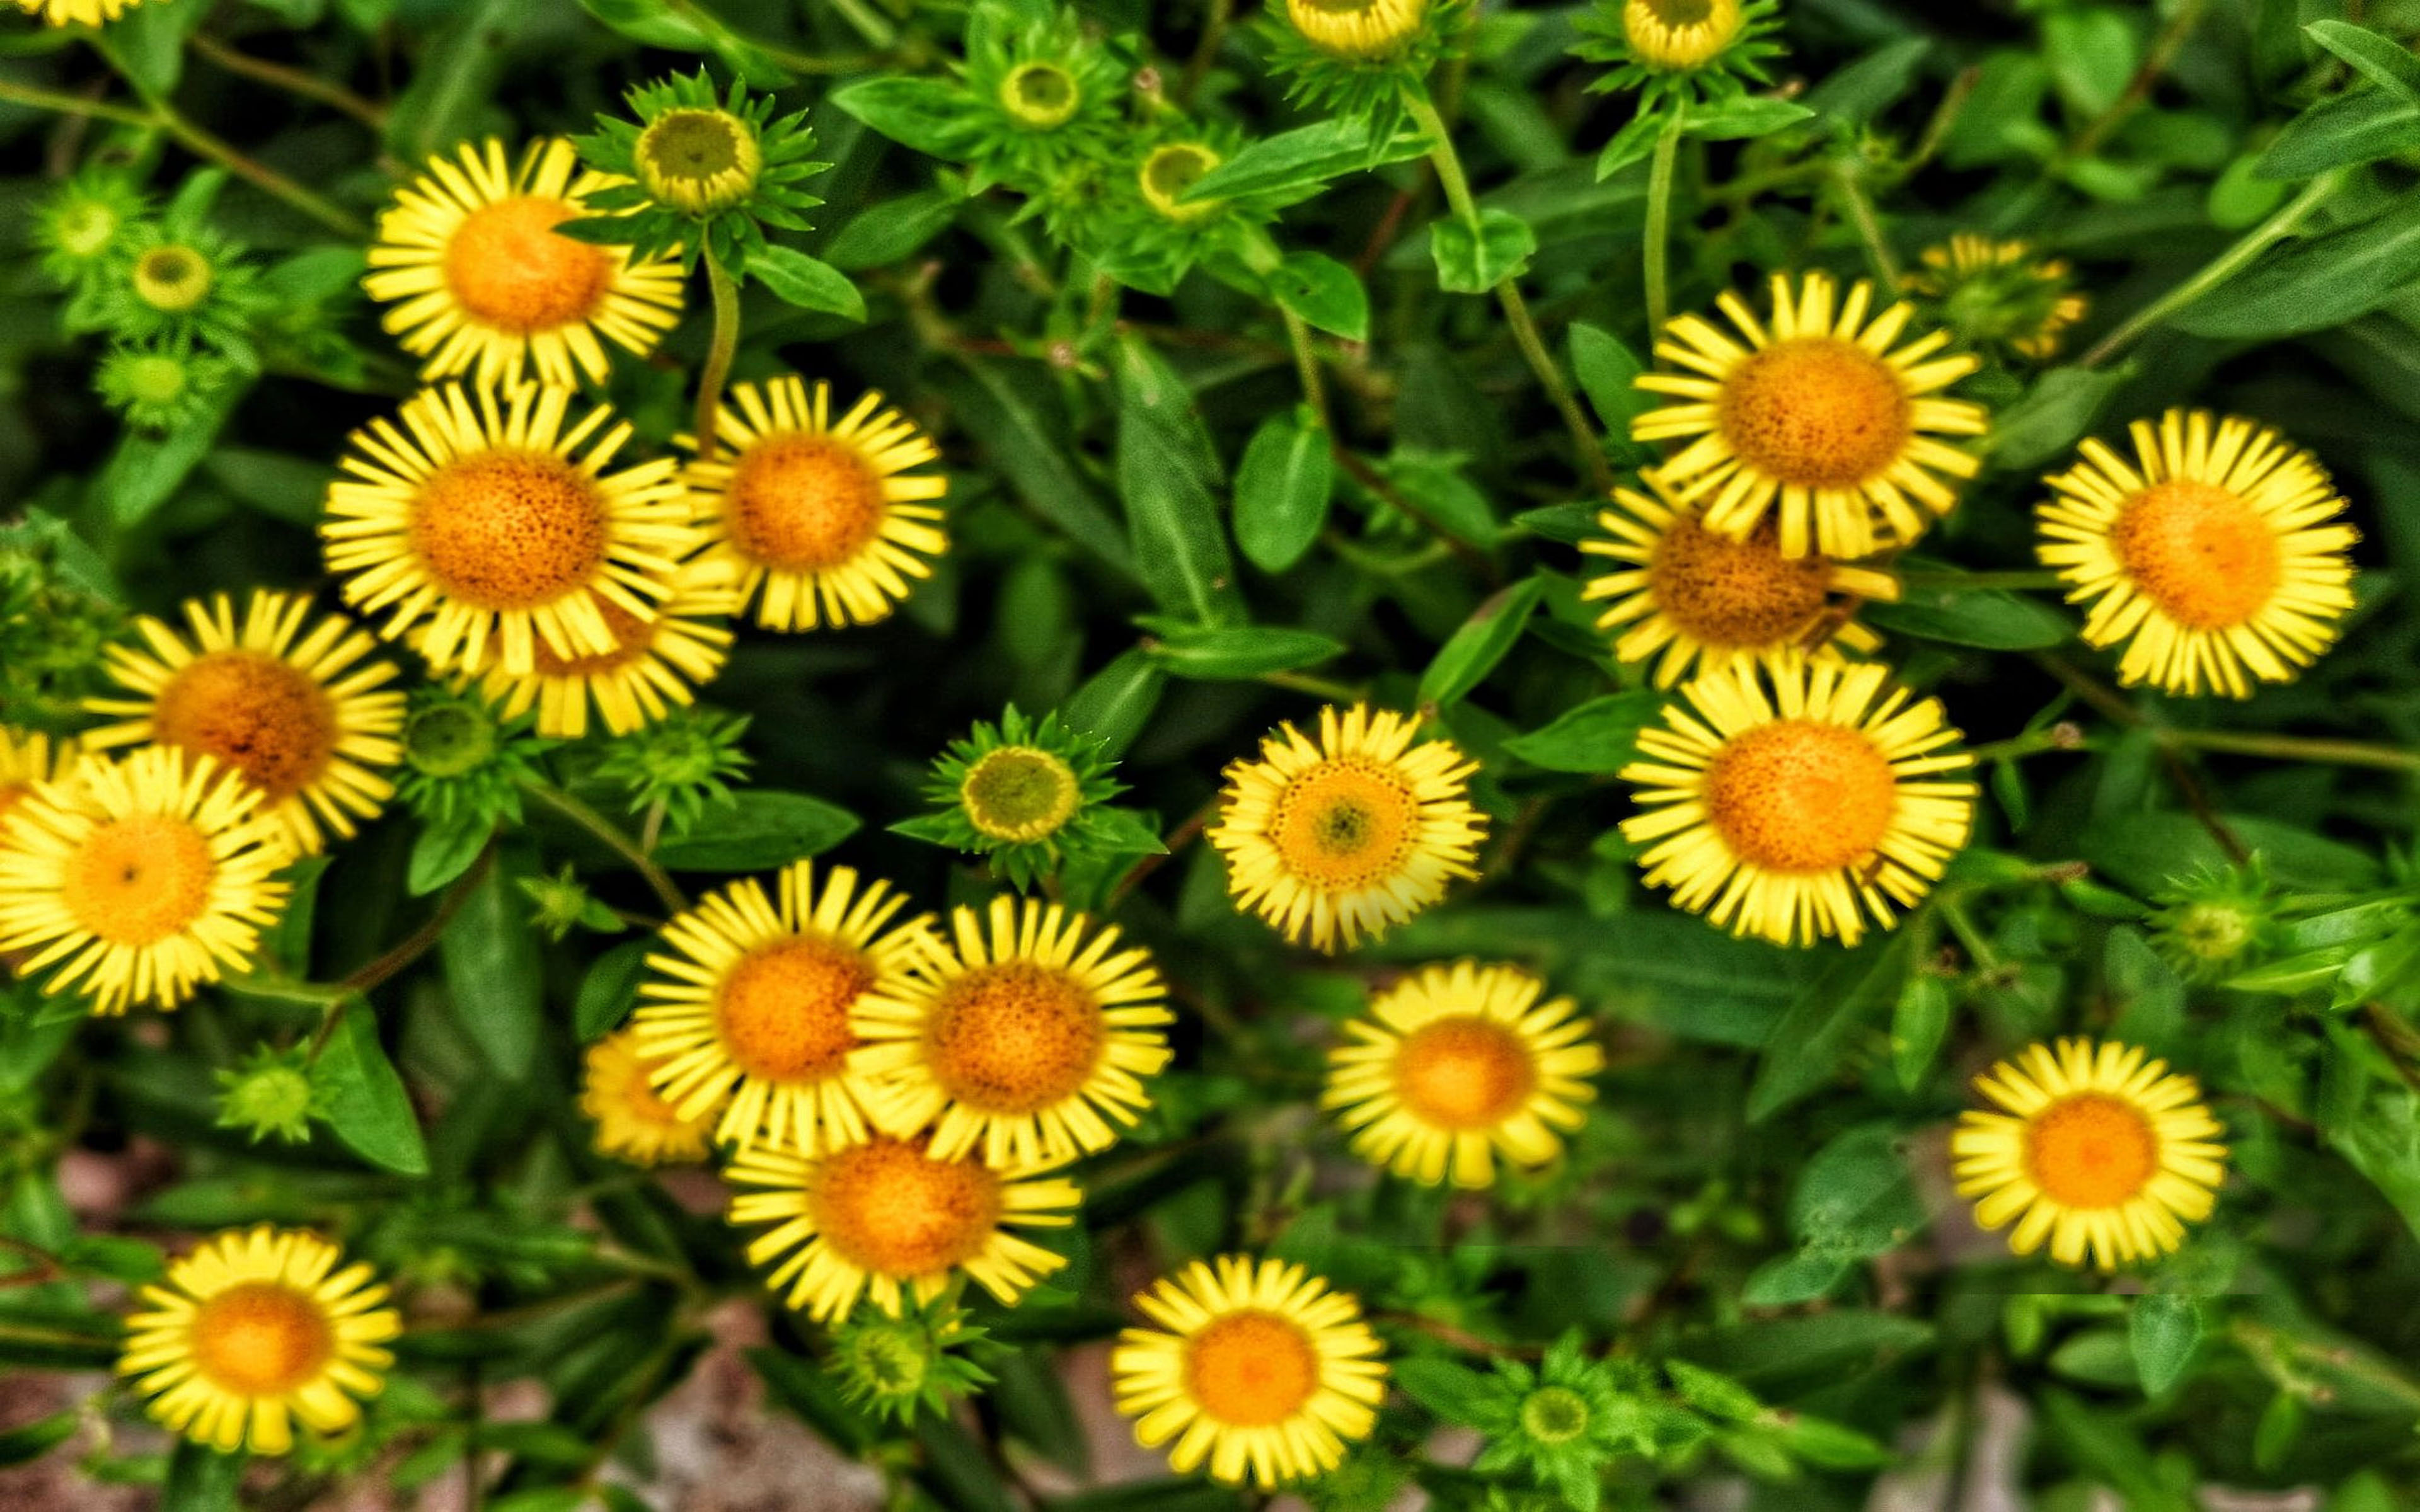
column 485, row 282
column 889, row 1219
column 1792, row 814
column 751, row 1003
column 2218, row 553
column 1171, row 168
column 1817, row 419
column 1457, row 1063
column 632, row 1122
column 76, row 13
column 1030, row 1043
column 1358, row 28
column 2097, row 1151
column 478, row 516
column 1256, row 1367
column 2000, row 291
column 822, row 516
column 143, row 879
column 1677, row 35
column 1351, row 835
column 302, row 718
column 27, row 761
column 700, row 161
column 256, row 1328
column 655, row 665
column 1707, row 601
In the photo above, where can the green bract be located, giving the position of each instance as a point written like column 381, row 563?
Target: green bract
column 1032, row 796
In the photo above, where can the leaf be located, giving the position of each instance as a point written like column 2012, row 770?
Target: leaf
column 2383, row 62
column 1855, row 95
column 1453, row 1392
column 2341, row 133
column 1283, row 487
column 1293, row 161
column 368, row 1104
column 2162, row 1330
column 1918, row 1021
column 806, row 282
column 442, row 851
column 1983, row 617
column 892, row 231
column 1239, row 653
column 1473, row 262
column 1807, row 1045
column 1634, row 143
column 200, row 1479
column 1023, row 442
column 1324, row 294
column 1601, row 735
column 760, row 830
column 1165, row 471
column 490, row 959
column 924, row 114
column 1608, row 373
column 1464, row 661
column 23, row 1445
column 609, row 990
column 2148, row 851
column 1744, row 116
column 2055, row 413
column 2320, row 282
column 1115, row 703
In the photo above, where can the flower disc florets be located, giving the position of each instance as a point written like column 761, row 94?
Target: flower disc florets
column 698, row 172
column 1032, row 796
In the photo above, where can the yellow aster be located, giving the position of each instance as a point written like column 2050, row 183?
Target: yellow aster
column 1456, row 1064
column 483, row 517
column 2218, row 552
column 1349, row 835
column 1675, row 36
column 1028, row 1042
column 304, row 719
column 1692, row 599
column 889, row 1219
column 1358, row 28
column 1255, row 1366
column 255, row 1329
column 2001, row 292
column 76, row 13
column 485, row 283
column 1792, row 800
column 28, row 760
column 751, row 1002
column 1822, row 420
column 142, row 879
column 656, row 665
column 2097, row 1148
column 632, row 1122
column 818, row 521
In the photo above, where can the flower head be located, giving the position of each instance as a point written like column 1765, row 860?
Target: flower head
column 656, row 666
column 29, row 761
column 271, row 1093
column 179, row 279
column 1357, row 28
column 164, row 383
column 1711, row 48
column 633, row 1123
column 1029, row 793
column 1567, row 1419
column 699, row 161
column 911, row 1365
column 462, row 762
column 1998, row 295
column 2211, row 923
column 1356, row 58
column 1041, row 96
column 84, row 220
column 689, row 170
column 680, row 765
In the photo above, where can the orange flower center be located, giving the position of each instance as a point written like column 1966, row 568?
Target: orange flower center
column 1463, row 1072
column 889, row 1208
column 2200, row 552
column 803, row 504
column 1725, row 593
column 1800, row 796
column 270, row 721
column 783, row 1012
column 262, row 1339
column 632, row 637
column 2091, row 1150
column 1251, row 1370
column 1014, row 1037
column 139, row 880
column 1345, row 823
column 506, row 530
column 1816, row 412
column 509, row 271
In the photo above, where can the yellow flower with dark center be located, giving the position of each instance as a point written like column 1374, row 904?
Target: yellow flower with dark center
column 1019, row 794
column 1350, row 835
column 256, row 1329
column 657, row 666
column 29, row 760
column 633, row 1123
column 1358, row 28
column 303, row 719
column 1171, row 169
column 2219, row 552
column 2102, row 1152
column 1255, row 1366
column 140, row 880
column 172, row 279
column 1822, row 421
column 485, row 283
column 1029, row 1043
column 1999, row 293
column 1040, row 96
column 1675, row 36
column 1706, row 601
column 1456, row 1064
column 480, row 517
column 752, row 1004
column 1795, row 812
column 820, row 517
column 699, row 161
column 890, row 1220
column 76, row 13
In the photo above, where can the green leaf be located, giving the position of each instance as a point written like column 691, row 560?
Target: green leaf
column 1239, row 653
column 1608, row 373
column 1166, row 471
column 1744, row 116
column 1464, row 661
column 2055, row 413
column 924, row 114
column 2162, row 1330
column 1601, row 735
column 23, row 1445
column 1634, row 143
column 490, row 959
column 368, row 1104
column 2148, row 851
column 146, row 471
column 1918, row 1021
column 200, row 1479
column 148, row 44
column 1324, row 294
column 1983, row 617
column 2341, row 133
column 1812, row 1038
column 892, row 231
column 442, row 851
column 806, row 282
column 1453, row 1392
column 1033, row 447
column 1470, row 262
column 1855, row 95
column 2320, row 282
column 760, row 830
column 284, row 487
column 2383, row 62
column 609, row 991
column 1294, row 161
column 1115, row 703
column 1283, row 487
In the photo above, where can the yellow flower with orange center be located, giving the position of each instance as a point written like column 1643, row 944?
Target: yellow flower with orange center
column 818, row 521
column 141, row 879
column 1457, row 1064
column 1822, row 421
column 1347, row 836
column 656, row 665
column 1255, row 1366
column 483, row 522
column 1697, row 600
column 2097, row 1148
column 485, row 283
column 1028, row 1042
column 30, row 759
column 2219, row 556
column 751, row 1002
column 304, row 720
column 1790, row 801
column 1358, row 29
column 1680, row 35
column 633, row 1123
column 890, row 1220
column 255, row 1329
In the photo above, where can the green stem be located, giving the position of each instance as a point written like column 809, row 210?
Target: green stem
column 26, row 94
column 2295, row 748
column 1316, row 686
column 1869, row 227
column 615, row 839
column 1657, row 251
column 1306, row 365
column 2225, row 266
column 2032, row 743
column 719, row 356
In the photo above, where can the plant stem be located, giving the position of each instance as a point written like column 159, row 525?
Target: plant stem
column 719, row 356
column 26, row 94
column 1870, row 227
column 2287, row 219
column 1306, row 365
column 2294, row 748
column 2060, row 736
column 615, row 839
column 293, row 80
column 1657, row 251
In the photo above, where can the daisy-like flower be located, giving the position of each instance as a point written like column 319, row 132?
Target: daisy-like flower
column 1358, row 28
column 1999, row 294
column 1255, row 1366
column 140, row 880
column 633, row 1123
column 1822, row 420
column 751, row 1002
column 1692, row 599
column 304, row 719
column 890, row 1220
column 76, row 13
column 480, row 516
column 657, row 666
column 1792, row 813
column 2097, row 1148
column 1031, row 794
column 1456, row 1064
column 2218, row 555
column 30, row 759
column 255, row 1329
column 1351, row 834
column 485, row 281
column 1685, row 47
column 818, row 521
column 1028, row 1042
